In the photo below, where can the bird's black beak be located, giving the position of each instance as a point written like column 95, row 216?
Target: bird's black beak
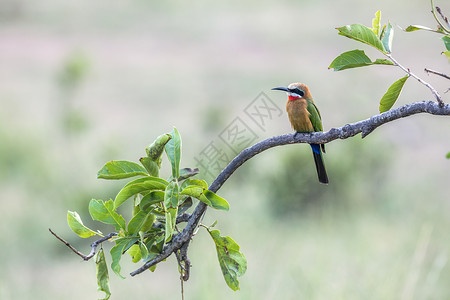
column 284, row 89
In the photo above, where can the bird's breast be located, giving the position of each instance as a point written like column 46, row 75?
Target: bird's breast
column 299, row 115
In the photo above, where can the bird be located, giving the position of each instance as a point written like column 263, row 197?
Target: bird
column 305, row 117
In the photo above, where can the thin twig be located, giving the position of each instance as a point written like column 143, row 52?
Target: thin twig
column 437, row 73
column 364, row 127
column 407, row 71
column 438, row 9
column 94, row 245
column 433, row 11
column 68, row 245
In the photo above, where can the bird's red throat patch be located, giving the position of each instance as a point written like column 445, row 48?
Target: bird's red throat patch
column 290, row 97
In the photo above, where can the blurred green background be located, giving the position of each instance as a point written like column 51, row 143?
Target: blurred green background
column 85, row 82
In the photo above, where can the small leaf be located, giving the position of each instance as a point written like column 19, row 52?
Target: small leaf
column 216, row 202
column 171, row 208
column 232, row 262
column 155, row 150
column 144, row 250
column 150, row 165
column 173, row 150
column 355, row 59
column 171, row 218
column 105, row 212
column 116, row 255
column 392, row 94
column 362, row 34
column 120, row 169
column 199, row 182
column 448, row 155
column 446, row 40
column 206, row 196
column 138, row 186
column 102, row 274
column 77, row 226
column 376, row 23
column 187, row 172
column 412, row 28
column 151, row 198
column 171, row 195
column 135, row 253
column 193, row 191
column 142, row 221
column 388, row 37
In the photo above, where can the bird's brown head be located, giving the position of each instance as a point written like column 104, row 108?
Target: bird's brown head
column 295, row 91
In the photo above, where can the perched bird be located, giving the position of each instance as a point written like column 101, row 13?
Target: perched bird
column 305, row 117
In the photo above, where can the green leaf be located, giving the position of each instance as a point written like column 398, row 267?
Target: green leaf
column 151, row 198
column 199, row 182
column 355, row 59
column 187, row 172
column 215, row 201
column 171, row 195
column 150, row 165
column 446, row 40
column 116, row 254
column 142, row 221
column 376, row 23
column 144, row 250
column 171, row 218
column 389, row 98
column 231, row 260
column 448, row 155
column 171, row 208
column 119, row 169
column 138, row 186
column 102, row 274
column 447, row 53
column 155, row 150
column 173, row 150
column 135, row 253
column 206, row 196
column 362, row 34
column 77, row 226
column 412, row 28
column 388, row 37
column 105, row 212
column 193, row 191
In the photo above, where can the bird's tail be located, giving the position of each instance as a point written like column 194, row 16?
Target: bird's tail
column 320, row 167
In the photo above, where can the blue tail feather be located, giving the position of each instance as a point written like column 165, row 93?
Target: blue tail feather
column 315, row 148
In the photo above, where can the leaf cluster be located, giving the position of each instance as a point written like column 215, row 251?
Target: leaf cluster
column 379, row 37
column 157, row 203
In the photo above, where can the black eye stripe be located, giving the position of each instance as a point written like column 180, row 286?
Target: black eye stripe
column 297, row 91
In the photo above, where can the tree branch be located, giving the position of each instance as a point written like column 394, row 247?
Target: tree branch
column 437, row 73
column 407, row 71
column 364, row 127
column 444, row 17
column 94, row 245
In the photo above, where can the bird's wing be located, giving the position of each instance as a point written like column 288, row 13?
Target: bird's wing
column 314, row 116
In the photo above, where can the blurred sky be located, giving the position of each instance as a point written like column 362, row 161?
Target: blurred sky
column 145, row 66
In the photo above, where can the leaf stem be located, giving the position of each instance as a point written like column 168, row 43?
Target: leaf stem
column 407, row 71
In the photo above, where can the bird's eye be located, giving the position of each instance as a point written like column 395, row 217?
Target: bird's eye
column 298, row 92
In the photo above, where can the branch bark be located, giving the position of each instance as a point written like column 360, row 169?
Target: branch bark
column 364, row 127
column 437, row 73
